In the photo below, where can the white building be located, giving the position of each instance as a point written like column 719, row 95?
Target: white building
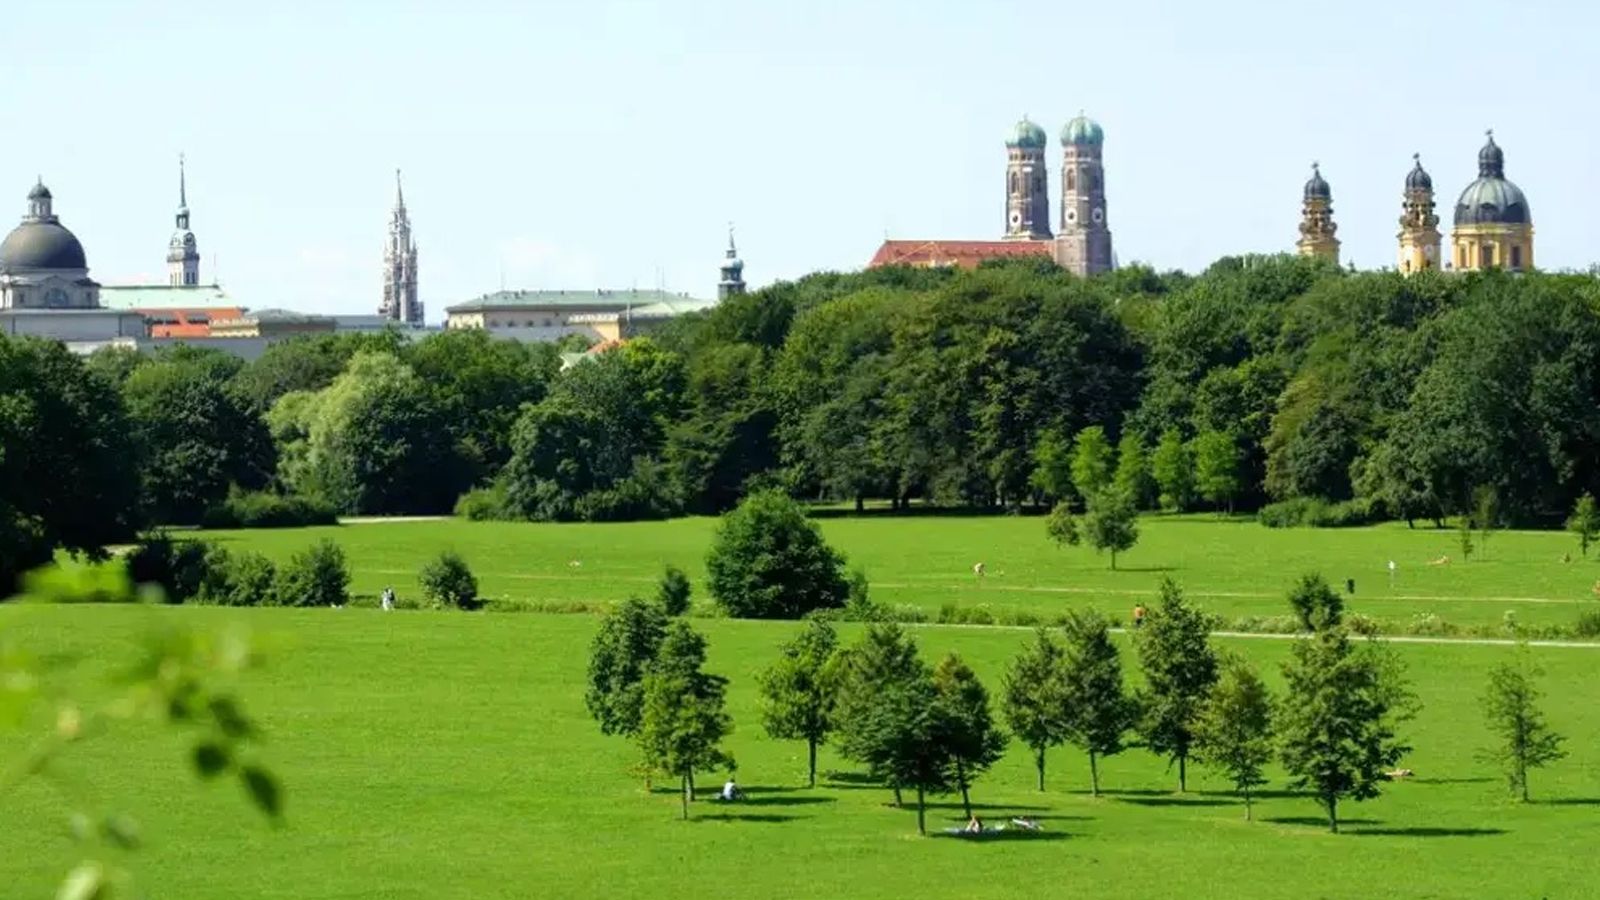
column 549, row 316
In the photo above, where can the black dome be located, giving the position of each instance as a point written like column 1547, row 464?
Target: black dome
column 1491, row 160
column 1317, row 188
column 41, row 245
column 1418, row 179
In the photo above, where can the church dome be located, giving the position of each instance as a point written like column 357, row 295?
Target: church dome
column 1418, row 178
column 1028, row 134
column 1317, row 187
column 39, row 192
column 1082, row 131
column 1491, row 199
column 41, row 245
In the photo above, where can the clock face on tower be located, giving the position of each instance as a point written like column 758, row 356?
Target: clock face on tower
column 1072, row 216
column 1099, row 215
column 1016, row 218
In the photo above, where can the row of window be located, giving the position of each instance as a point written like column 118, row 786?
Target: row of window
column 513, row 323
column 1487, row 258
column 1091, row 179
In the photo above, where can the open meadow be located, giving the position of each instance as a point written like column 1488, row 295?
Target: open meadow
column 1235, row 567
column 448, row 755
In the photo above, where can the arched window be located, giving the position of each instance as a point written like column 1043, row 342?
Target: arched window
column 1072, row 179
column 1516, row 256
column 1013, row 182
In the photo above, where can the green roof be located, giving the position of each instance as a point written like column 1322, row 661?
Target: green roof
column 165, row 296
column 597, row 299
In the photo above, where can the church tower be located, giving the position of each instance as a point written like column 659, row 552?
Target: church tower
column 1083, row 243
column 1027, row 195
column 1316, row 220
column 183, row 256
column 732, row 283
column 1419, row 224
column 400, row 303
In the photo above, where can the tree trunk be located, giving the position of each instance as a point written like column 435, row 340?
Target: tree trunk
column 1522, row 777
column 1247, row 816
column 685, row 797
column 1094, row 773
column 961, row 779
column 813, row 770
column 691, row 785
column 1113, row 560
column 1333, row 813
column 1183, row 774
column 897, row 801
column 861, row 504
column 922, row 825
column 1038, row 760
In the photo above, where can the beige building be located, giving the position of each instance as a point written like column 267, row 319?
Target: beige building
column 1317, row 228
column 1420, row 240
column 271, row 323
column 1493, row 225
column 548, row 316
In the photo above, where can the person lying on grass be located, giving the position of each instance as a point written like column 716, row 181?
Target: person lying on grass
column 731, row 792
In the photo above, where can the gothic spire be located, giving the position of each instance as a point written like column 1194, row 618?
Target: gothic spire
column 399, row 193
column 183, row 188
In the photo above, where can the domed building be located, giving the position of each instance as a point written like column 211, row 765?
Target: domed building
column 1493, row 225
column 1419, row 223
column 1027, row 194
column 1317, row 227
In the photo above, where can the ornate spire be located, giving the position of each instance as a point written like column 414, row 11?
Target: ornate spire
column 732, row 281
column 183, row 187
column 399, row 193
column 733, row 252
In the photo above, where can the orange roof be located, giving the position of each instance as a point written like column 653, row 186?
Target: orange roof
column 966, row 254
column 186, row 322
column 605, row 345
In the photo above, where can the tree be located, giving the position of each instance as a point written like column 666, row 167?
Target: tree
column 1180, row 669
column 1485, row 513
column 481, row 384
column 1173, row 468
column 796, row 692
column 967, row 728
column 1585, row 522
column 769, row 561
column 627, row 642
column 683, row 720
column 863, row 675
column 1111, row 523
column 448, row 583
column 317, row 576
column 1133, row 469
column 1511, row 705
column 906, row 739
column 1234, row 729
column 1091, row 461
column 1035, row 699
column 1339, row 719
column 1098, row 712
column 1052, row 466
column 1062, row 525
column 1464, row 537
column 1216, row 468
column 673, row 591
column 1315, row 603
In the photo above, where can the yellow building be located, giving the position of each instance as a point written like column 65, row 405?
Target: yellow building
column 1420, row 241
column 1493, row 226
column 1316, row 220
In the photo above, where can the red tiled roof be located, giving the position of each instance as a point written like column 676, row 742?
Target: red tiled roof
column 967, row 254
column 603, row 346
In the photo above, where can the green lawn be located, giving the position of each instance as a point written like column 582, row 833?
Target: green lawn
column 1238, row 568
column 438, row 755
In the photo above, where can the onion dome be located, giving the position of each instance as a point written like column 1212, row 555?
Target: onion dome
column 1491, row 199
column 1418, row 178
column 1082, row 131
column 1317, row 187
column 1028, row 135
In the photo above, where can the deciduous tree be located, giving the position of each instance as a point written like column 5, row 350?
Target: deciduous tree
column 1234, row 730
column 1098, row 711
column 768, row 561
column 627, row 642
column 864, row 674
column 1216, row 468
column 683, row 720
column 1091, row 461
column 1180, row 669
column 1585, row 522
column 968, row 728
column 1315, row 603
column 1034, row 698
column 797, row 692
column 1173, row 467
column 1111, row 523
column 1511, row 704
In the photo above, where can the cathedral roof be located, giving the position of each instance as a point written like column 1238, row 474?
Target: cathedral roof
column 1491, row 199
column 1317, row 186
column 1082, row 131
column 966, row 254
column 42, row 245
column 1028, row 135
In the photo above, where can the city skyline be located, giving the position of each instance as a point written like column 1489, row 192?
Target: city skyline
column 702, row 113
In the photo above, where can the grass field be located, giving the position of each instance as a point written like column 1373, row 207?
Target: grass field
column 438, row 755
column 1237, row 568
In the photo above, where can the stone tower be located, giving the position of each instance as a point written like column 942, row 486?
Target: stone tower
column 1493, row 224
column 1316, row 220
column 732, row 282
column 183, row 256
column 1027, row 194
column 1420, row 240
column 1083, row 242
column 400, row 302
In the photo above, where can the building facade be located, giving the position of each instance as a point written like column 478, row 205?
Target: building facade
column 1493, row 224
column 400, row 302
column 1420, row 241
column 1317, row 227
column 548, row 316
column 731, row 280
column 1027, row 188
column 183, row 254
column 1083, row 242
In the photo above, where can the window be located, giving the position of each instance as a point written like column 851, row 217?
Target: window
column 1072, row 179
column 1516, row 256
column 1013, row 182
column 1486, row 255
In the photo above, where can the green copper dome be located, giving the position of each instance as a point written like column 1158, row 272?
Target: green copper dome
column 1492, row 200
column 1028, row 134
column 1082, row 131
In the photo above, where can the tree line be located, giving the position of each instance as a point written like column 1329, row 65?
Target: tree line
column 1335, row 730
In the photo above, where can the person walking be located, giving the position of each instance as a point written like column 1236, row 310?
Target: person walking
column 1138, row 615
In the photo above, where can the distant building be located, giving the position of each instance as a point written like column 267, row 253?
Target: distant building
column 272, row 323
column 1493, row 225
column 1419, row 222
column 173, row 311
column 732, row 281
column 400, row 303
column 1316, row 220
column 599, row 315
column 183, row 254
column 1081, row 242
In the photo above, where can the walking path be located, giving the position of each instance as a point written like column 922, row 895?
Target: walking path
column 1396, row 639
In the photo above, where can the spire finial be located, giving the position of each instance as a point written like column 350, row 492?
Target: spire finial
column 1417, row 158
column 731, row 251
column 399, row 193
column 183, row 185
column 1315, row 167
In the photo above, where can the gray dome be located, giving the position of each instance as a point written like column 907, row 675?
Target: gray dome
column 41, row 245
column 1317, row 187
column 1418, row 179
column 1492, row 201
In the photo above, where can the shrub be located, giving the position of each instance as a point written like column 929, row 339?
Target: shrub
column 1266, row 625
column 447, row 583
column 673, row 591
column 955, row 614
column 1430, row 625
column 859, row 605
column 177, row 567
column 238, row 579
column 484, row 504
column 1314, row 512
column 1588, row 624
column 263, row 509
column 318, row 576
column 1317, row 605
column 770, row 562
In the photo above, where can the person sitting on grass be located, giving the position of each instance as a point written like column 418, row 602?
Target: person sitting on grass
column 974, row 826
column 731, row 792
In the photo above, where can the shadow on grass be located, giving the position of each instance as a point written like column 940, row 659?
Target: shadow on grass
column 1176, row 801
column 1451, row 780
column 744, row 817
column 1258, row 795
column 1145, row 570
column 1009, row 836
column 977, row 807
column 1569, row 801
column 1427, row 832
column 1319, row 821
column 781, row 801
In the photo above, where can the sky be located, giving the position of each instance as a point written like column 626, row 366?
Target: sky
column 608, row 144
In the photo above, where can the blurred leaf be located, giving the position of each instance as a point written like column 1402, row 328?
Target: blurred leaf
column 230, row 719
column 210, row 759
column 78, row 824
column 263, row 790
column 122, row 831
column 86, row 882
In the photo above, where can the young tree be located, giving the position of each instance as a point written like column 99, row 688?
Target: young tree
column 673, row 591
column 1216, row 465
column 1316, row 604
column 1464, row 537
column 1034, row 697
column 620, row 655
column 1133, row 469
column 1585, row 522
column 973, row 740
column 1511, row 706
column 1338, row 721
column 1485, row 514
column 1234, row 730
column 1098, row 712
column 1173, row 467
column 1091, row 461
column 1052, row 466
column 907, row 740
column 863, row 674
column 771, row 562
column 683, row 721
column 797, row 696
column 1111, row 523
column 1180, row 669
column 1062, row 525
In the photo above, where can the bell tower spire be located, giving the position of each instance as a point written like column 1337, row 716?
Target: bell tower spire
column 732, row 283
column 1420, row 240
column 1027, row 196
column 183, row 254
column 400, row 303
column 1316, row 220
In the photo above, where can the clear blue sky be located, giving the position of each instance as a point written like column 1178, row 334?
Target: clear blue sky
column 590, row 144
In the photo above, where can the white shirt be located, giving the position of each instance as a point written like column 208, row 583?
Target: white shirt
column 729, row 791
